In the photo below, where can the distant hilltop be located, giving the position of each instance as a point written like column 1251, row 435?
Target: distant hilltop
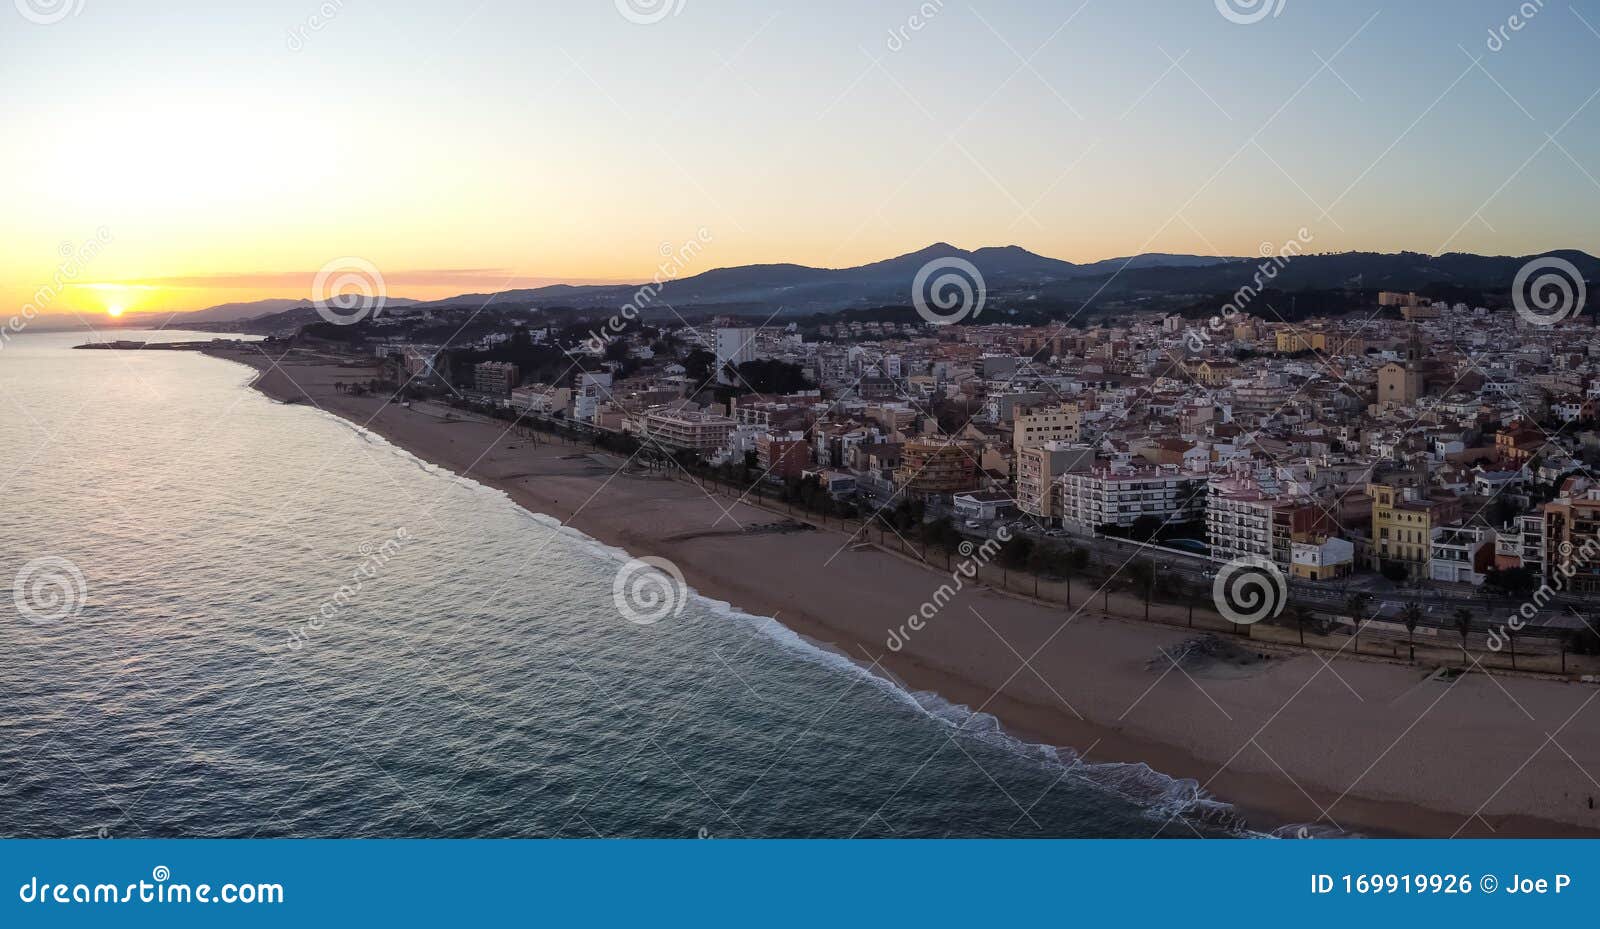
column 1009, row 273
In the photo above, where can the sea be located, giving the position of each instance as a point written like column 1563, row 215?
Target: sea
column 223, row 616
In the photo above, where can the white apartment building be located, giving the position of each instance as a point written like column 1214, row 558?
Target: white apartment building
column 686, row 429
column 1458, row 554
column 734, row 347
column 1238, row 520
column 1118, row 497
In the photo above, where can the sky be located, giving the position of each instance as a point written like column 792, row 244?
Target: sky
column 211, row 152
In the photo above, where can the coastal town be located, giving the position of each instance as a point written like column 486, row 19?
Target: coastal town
column 1417, row 456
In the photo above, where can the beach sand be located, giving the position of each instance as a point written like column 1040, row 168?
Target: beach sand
column 1368, row 747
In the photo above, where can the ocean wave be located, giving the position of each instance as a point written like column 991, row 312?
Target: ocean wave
column 1159, row 796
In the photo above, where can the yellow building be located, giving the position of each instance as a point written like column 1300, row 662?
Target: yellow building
column 1403, row 521
column 1298, row 340
column 1403, row 384
column 1059, row 423
column 1216, row 373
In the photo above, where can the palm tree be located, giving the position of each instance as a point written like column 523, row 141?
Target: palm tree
column 1302, row 618
column 1463, row 618
column 1411, row 615
column 1142, row 577
column 1357, row 606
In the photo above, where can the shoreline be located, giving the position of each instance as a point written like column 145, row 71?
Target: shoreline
column 1370, row 746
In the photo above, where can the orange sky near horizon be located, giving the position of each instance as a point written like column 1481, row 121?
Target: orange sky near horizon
column 461, row 153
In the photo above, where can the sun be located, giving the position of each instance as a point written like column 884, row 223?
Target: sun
column 115, row 310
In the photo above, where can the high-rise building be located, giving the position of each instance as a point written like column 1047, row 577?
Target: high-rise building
column 1038, row 494
column 734, row 347
column 495, row 377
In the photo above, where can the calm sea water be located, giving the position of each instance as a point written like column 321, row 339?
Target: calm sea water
column 474, row 679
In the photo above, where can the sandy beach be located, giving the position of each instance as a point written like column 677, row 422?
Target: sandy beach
column 1365, row 746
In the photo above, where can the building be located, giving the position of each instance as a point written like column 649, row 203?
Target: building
column 935, row 467
column 1323, row 559
column 495, row 377
column 1038, row 494
column 1462, row 554
column 1299, row 340
column 1391, row 298
column 1113, row 496
column 1035, row 427
column 685, row 429
column 982, row 506
column 1243, row 520
column 1571, row 528
column 1403, row 520
column 1400, row 383
column 541, row 399
column 733, row 347
column 780, row 456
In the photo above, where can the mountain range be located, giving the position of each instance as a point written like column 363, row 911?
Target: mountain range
column 1009, row 272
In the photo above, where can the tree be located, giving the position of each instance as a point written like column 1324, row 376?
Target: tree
column 1357, row 606
column 698, row 364
column 1302, row 618
column 1145, row 528
column 1142, row 578
column 1411, row 615
column 1463, row 618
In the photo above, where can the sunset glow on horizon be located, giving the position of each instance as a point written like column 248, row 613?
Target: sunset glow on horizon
column 1071, row 135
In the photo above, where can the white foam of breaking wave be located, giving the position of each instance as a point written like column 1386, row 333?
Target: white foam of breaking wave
column 1160, row 796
